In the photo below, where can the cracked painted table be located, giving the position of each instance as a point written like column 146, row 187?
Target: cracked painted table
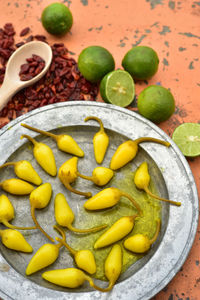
column 172, row 29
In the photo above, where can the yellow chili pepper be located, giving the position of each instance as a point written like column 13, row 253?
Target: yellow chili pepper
column 43, row 155
column 140, row 243
column 64, row 216
column 84, row 258
column 108, row 198
column 16, row 186
column 128, row 150
column 73, row 278
column 100, row 141
column 39, row 199
column 142, row 181
column 116, row 232
column 113, row 265
column 24, row 170
column 7, row 213
column 64, row 141
column 100, row 176
column 45, row 256
column 14, row 240
column 68, row 173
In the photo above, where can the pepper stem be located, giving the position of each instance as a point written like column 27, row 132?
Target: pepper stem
column 96, row 287
column 71, row 250
column 8, row 164
column 62, row 233
column 124, row 194
column 32, row 140
column 153, row 140
column 84, row 176
column 94, row 229
column 7, row 224
column 38, row 225
column 54, row 136
column 156, row 233
column 96, row 119
column 71, row 189
column 162, row 199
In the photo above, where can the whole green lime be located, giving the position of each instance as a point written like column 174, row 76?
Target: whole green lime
column 156, row 103
column 141, row 62
column 94, row 62
column 57, row 18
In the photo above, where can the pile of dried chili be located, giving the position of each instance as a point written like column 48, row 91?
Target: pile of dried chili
column 63, row 81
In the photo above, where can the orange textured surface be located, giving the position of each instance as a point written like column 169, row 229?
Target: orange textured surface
column 172, row 29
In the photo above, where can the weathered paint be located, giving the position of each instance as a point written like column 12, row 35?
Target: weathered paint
column 182, row 42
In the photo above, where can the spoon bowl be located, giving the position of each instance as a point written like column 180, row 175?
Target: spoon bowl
column 12, row 82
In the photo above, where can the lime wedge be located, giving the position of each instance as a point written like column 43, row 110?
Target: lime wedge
column 117, row 87
column 187, row 138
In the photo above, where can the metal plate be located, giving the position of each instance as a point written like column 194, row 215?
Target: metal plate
column 150, row 274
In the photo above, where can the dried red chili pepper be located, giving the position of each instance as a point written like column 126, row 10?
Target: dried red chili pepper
column 24, row 31
column 62, row 82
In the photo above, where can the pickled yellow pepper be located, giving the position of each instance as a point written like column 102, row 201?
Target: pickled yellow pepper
column 84, row 258
column 64, row 216
column 142, row 181
column 100, row 141
column 39, row 199
column 68, row 173
column 7, row 213
column 14, row 240
column 100, row 176
column 113, row 266
column 64, row 141
column 73, row 278
column 70, row 277
column 128, row 150
column 24, row 170
column 43, row 155
column 16, row 186
column 140, row 243
column 116, row 232
column 45, row 256
column 108, row 198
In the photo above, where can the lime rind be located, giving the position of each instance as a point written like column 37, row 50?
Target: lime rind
column 57, row 19
column 156, row 103
column 187, row 138
column 94, row 62
column 118, row 88
column 141, row 62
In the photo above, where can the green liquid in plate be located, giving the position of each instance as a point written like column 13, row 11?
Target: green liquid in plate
column 146, row 224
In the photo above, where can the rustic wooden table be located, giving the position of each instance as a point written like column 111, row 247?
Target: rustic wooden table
column 172, row 29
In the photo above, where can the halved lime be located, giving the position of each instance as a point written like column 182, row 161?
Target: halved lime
column 187, row 138
column 117, row 87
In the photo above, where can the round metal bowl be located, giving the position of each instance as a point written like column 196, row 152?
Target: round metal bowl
column 173, row 176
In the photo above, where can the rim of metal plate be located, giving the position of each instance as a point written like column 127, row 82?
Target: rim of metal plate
column 182, row 225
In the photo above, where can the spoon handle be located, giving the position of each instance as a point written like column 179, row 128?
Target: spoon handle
column 7, row 90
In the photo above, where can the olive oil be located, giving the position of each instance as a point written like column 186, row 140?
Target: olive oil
column 147, row 224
